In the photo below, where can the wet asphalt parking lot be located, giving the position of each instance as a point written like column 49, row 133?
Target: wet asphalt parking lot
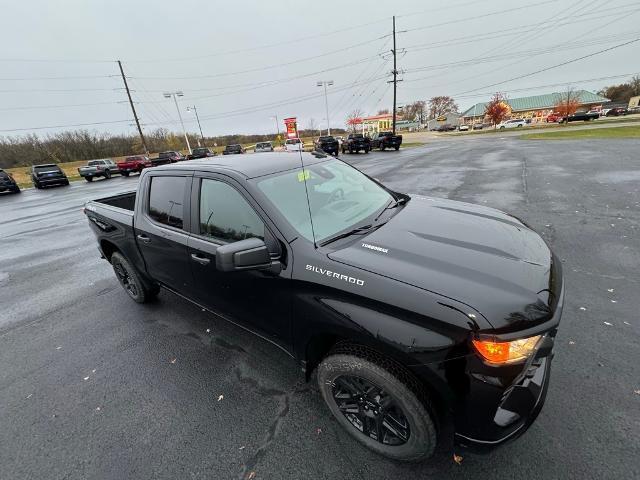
column 94, row 386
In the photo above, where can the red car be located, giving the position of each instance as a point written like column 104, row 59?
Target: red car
column 134, row 164
column 553, row 117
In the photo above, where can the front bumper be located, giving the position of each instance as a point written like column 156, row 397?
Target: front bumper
column 495, row 414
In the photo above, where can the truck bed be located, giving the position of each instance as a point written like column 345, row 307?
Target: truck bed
column 126, row 201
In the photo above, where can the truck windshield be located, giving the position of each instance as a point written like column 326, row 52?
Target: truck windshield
column 340, row 198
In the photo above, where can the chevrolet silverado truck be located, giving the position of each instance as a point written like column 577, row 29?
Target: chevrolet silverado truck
column 384, row 140
column 356, row 142
column 98, row 168
column 420, row 318
column 327, row 144
column 201, row 152
column 134, row 164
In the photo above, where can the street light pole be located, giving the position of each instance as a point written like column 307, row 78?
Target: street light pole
column 195, row 110
column 277, row 124
column 326, row 83
column 175, row 96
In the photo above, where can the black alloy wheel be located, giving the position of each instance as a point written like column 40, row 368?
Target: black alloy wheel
column 378, row 402
column 130, row 280
column 371, row 410
column 107, row 174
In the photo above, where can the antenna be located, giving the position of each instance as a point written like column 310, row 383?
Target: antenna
column 306, row 191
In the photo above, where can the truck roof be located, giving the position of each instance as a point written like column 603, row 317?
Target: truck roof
column 249, row 165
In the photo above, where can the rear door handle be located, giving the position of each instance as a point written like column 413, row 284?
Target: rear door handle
column 201, row 260
column 144, row 238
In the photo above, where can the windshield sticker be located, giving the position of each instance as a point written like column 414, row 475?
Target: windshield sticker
column 304, row 175
column 377, row 249
column 339, row 276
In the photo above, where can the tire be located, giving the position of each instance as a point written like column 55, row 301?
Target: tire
column 16, row 190
column 37, row 185
column 518, row 126
column 130, row 280
column 107, row 174
column 397, row 148
column 66, row 183
column 501, row 128
column 352, row 369
column 89, row 179
column 125, row 174
column 382, row 147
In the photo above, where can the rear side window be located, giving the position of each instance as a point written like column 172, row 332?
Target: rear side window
column 166, row 197
column 225, row 214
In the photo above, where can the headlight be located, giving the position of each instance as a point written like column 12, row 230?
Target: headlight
column 506, row 352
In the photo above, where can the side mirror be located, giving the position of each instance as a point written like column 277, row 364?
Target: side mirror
column 249, row 254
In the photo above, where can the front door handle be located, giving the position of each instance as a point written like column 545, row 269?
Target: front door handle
column 144, row 238
column 201, row 260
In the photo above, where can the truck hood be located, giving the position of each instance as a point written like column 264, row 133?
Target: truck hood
column 482, row 257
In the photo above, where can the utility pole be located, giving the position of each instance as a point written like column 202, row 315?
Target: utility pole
column 395, row 75
column 135, row 115
column 195, row 110
column 175, row 96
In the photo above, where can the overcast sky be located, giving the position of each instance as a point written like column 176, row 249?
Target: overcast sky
column 242, row 62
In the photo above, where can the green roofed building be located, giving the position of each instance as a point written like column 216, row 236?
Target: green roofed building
column 536, row 107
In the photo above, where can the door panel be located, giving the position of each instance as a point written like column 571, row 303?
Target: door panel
column 258, row 299
column 162, row 230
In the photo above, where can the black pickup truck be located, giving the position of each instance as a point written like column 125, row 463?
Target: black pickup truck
column 356, row 142
column 581, row 117
column 415, row 328
column 384, row 140
column 201, row 152
column 8, row 183
column 327, row 144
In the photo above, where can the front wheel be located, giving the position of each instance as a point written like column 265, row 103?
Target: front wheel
column 130, row 280
column 89, row 179
column 125, row 174
column 107, row 174
column 372, row 399
column 397, row 147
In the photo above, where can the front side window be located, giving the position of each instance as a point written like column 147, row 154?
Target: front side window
column 340, row 198
column 225, row 215
column 166, row 197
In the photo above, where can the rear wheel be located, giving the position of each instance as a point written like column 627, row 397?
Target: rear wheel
column 16, row 190
column 125, row 174
column 382, row 147
column 107, row 174
column 377, row 402
column 37, row 185
column 397, row 147
column 130, row 280
column 89, row 179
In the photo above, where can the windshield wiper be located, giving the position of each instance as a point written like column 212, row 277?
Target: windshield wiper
column 355, row 231
column 395, row 202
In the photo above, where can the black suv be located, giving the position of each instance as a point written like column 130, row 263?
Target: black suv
column 233, row 149
column 7, row 183
column 48, row 174
column 327, row 144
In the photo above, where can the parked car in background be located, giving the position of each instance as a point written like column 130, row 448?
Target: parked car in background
column 633, row 110
column 356, row 142
column 446, row 127
column 8, row 183
column 327, row 144
column 616, row 112
column 233, row 149
column 134, row 164
column 580, row 117
column 463, row 128
column 553, row 118
column 201, row 152
column 264, row 147
column 478, row 126
column 595, row 113
column 48, row 174
column 294, row 145
column 384, row 140
column 98, row 168
column 170, row 156
column 515, row 123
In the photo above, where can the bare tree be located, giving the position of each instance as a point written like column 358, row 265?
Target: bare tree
column 416, row 111
column 354, row 119
column 441, row 105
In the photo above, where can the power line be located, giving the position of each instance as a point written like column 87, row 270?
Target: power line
column 64, row 126
column 568, row 62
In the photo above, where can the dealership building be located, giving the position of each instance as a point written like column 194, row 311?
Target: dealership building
column 536, row 107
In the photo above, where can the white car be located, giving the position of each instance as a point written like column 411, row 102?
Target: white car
column 294, row 145
column 463, row 128
column 264, row 147
column 519, row 122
